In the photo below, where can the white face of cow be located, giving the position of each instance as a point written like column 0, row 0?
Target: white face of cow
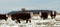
column 53, row 12
column 6, row 15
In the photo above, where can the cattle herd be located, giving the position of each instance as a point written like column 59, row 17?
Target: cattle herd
column 26, row 16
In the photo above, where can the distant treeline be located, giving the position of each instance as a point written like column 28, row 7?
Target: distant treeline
column 34, row 11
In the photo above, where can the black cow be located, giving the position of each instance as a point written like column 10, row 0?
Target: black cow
column 44, row 15
column 53, row 14
column 23, row 16
column 3, row 16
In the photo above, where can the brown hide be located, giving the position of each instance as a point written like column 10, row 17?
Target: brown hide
column 3, row 16
column 44, row 15
column 23, row 16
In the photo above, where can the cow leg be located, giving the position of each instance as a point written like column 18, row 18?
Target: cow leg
column 26, row 21
column 44, row 18
column 30, row 21
column 6, row 18
column 13, row 18
column 19, row 21
column 41, row 16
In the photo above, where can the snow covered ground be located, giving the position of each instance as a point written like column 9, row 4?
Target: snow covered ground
column 36, row 22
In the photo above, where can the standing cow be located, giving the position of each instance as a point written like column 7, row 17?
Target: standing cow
column 44, row 15
column 23, row 16
column 53, row 14
column 3, row 16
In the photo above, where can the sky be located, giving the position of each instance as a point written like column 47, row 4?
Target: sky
column 15, row 5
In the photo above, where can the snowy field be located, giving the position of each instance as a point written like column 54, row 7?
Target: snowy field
column 36, row 21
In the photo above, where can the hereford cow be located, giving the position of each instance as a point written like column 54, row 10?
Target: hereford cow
column 44, row 15
column 53, row 14
column 23, row 16
column 3, row 16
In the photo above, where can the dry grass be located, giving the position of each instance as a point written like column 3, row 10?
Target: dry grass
column 58, row 13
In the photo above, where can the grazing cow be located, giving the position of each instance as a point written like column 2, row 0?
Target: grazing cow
column 53, row 14
column 23, row 16
column 3, row 16
column 44, row 15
